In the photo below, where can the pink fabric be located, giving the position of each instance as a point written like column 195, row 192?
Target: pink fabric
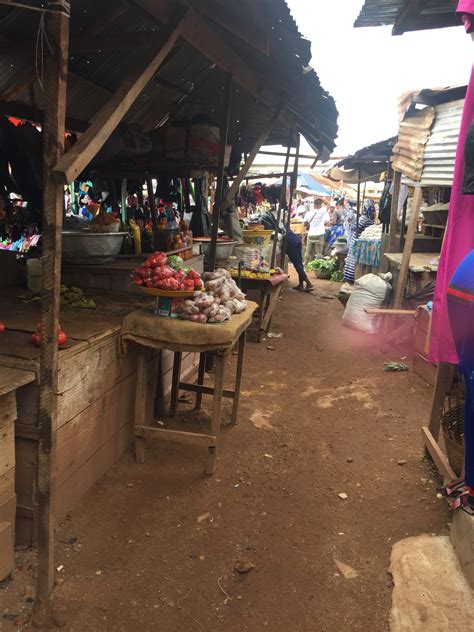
column 458, row 243
column 466, row 9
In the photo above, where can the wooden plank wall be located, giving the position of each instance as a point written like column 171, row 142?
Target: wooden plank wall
column 7, row 483
column 95, row 424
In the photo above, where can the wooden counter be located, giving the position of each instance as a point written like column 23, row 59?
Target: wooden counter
column 421, row 271
column 10, row 381
column 96, row 386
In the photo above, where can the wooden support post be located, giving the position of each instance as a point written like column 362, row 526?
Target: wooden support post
column 219, row 198
column 358, row 204
column 283, row 204
column 408, row 249
column 216, row 411
column 109, row 116
column 233, row 190
column 238, row 377
column 294, row 182
column 397, row 177
column 175, row 383
column 151, row 201
column 55, row 84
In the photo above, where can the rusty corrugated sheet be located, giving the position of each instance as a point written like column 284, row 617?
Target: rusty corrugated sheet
column 440, row 152
column 413, row 135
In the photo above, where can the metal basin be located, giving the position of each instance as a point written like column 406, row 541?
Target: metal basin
column 83, row 247
column 224, row 248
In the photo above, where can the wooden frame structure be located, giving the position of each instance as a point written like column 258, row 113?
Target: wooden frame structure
column 185, row 22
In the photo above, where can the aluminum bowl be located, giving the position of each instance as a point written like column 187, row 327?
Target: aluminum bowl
column 86, row 248
column 224, row 249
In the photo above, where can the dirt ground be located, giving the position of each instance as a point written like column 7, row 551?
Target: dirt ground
column 154, row 547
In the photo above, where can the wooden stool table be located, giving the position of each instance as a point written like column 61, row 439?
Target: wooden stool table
column 154, row 332
column 266, row 292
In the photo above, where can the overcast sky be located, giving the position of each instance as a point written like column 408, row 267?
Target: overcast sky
column 366, row 70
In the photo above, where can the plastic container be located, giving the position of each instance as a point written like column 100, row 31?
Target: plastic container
column 257, row 238
column 35, row 275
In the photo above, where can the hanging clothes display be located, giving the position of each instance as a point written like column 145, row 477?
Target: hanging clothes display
column 459, row 241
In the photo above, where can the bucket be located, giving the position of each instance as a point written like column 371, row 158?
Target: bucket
column 35, row 275
column 257, row 238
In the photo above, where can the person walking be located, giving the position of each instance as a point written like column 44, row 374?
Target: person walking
column 294, row 249
column 314, row 221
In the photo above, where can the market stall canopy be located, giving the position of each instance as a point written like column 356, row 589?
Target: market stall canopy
column 408, row 15
column 308, row 185
column 425, row 152
column 365, row 164
column 106, row 42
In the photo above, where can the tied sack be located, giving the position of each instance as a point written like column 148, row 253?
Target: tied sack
column 371, row 290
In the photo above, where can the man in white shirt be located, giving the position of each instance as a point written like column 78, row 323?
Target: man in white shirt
column 315, row 220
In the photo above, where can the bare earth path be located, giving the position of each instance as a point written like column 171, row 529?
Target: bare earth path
column 318, row 418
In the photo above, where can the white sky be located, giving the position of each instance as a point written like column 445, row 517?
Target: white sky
column 366, row 70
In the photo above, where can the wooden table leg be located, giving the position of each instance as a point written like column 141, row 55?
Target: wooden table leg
column 200, row 379
column 160, row 389
column 221, row 360
column 261, row 309
column 238, row 378
column 175, row 384
column 141, row 403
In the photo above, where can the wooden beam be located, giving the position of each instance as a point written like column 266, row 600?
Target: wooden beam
column 219, row 197
column 229, row 18
column 397, row 178
column 438, row 456
column 389, row 312
column 284, row 153
column 408, row 249
column 178, row 436
column 232, row 192
column 106, row 120
column 209, row 41
column 55, row 84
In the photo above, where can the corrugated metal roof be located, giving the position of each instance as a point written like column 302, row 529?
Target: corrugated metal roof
column 409, row 151
column 433, row 14
column 187, row 82
column 440, row 152
column 375, row 153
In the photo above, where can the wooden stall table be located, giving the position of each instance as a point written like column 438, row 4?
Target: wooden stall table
column 266, row 292
column 155, row 333
column 420, row 271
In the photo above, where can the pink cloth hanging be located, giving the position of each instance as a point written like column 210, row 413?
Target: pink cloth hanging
column 459, row 240
column 466, row 11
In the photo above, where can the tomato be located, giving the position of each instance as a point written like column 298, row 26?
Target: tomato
column 62, row 338
column 148, row 282
column 147, row 264
column 167, row 272
column 161, row 258
column 142, row 273
column 2, row 328
column 197, row 283
column 36, row 338
column 138, row 281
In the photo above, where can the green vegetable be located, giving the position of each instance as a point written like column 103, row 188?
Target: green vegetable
column 325, row 265
column 175, row 262
column 337, row 276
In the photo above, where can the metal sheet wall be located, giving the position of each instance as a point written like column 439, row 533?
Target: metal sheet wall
column 440, row 152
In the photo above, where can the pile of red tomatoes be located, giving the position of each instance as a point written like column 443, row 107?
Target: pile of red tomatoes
column 156, row 273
